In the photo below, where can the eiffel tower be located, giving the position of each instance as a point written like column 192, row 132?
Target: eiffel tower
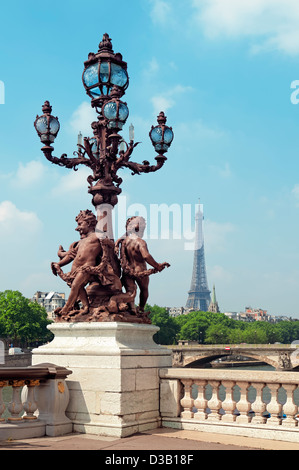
column 199, row 296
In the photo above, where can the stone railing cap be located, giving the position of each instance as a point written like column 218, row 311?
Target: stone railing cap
column 40, row 371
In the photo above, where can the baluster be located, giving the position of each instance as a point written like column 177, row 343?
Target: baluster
column 290, row 408
column 258, row 406
column 187, row 401
column 274, row 407
column 243, row 404
column 3, row 384
column 28, row 399
column 201, row 401
column 229, row 404
column 214, row 403
column 15, row 406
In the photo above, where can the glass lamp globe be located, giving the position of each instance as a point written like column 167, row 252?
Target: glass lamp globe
column 47, row 126
column 116, row 112
column 94, row 147
column 103, row 71
column 161, row 135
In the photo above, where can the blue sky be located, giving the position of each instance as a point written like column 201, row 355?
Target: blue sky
column 222, row 71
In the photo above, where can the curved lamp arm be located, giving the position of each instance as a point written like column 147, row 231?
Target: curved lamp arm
column 64, row 160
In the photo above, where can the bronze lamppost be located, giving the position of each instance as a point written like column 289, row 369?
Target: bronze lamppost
column 105, row 275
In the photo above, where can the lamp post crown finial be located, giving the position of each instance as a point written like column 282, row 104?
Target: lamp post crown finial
column 161, row 118
column 46, row 108
column 105, row 44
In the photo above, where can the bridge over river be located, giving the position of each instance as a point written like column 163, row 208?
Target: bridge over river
column 280, row 356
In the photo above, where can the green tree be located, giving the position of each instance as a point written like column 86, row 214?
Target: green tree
column 213, row 328
column 217, row 333
column 193, row 326
column 289, row 331
column 168, row 328
column 37, row 322
column 22, row 321
column 255, row 335
column 272, row 331
column 236, row 336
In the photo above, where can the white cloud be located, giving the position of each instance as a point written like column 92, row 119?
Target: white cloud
column 188, row 130
column 273, row 24
column 162, row 103
column 81, row 119
column 218, row 273
column 165, row 101
column 216, row 235
column 6, row 176
column 295, row 192
column 29, row 174
column 72, row 181
column 13, row 221
column 268, row 24
column 151, row 69
column 161, row 11
column 222, row 171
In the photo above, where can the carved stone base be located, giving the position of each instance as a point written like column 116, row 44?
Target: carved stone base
column 114, row 385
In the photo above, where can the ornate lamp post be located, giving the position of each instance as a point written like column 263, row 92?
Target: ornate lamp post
column 105, row 79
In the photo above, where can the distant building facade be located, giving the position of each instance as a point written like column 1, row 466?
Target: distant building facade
column 49, row 300
column 249, row 315
column 256, row 314
column 176, row 311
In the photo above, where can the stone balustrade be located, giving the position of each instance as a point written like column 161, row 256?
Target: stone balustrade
column 39, row 397
column 250, row 403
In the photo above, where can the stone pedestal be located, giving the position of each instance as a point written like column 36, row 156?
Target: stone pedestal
column 114, row 387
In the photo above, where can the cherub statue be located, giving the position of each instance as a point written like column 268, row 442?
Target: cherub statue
column 93, row 261
column 134, row 255
column 90, row 262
